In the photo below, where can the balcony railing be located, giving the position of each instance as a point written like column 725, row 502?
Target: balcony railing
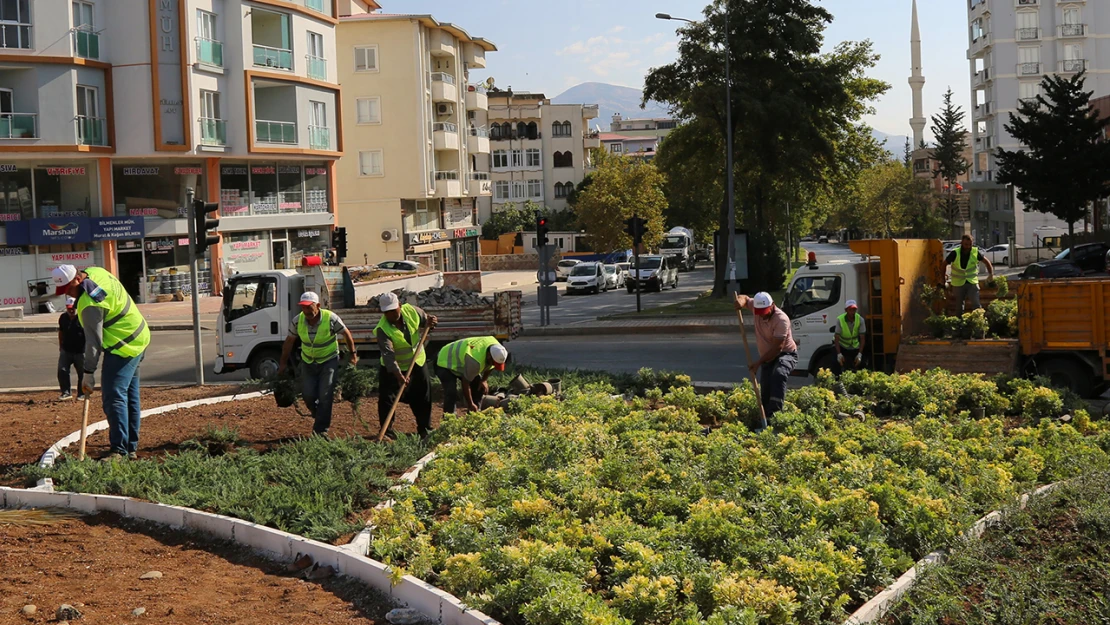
column 15, row 36
column 1028, row 3
column 1032, row 101
column 213, row 131
column 477, row 88
column 315, row 5
column 442, row 77
column 983, row 109
column 210, row 51
column 317, row 67
column 1073, row 66
column 479, row 175
column 1072, row 30
column 479, row 131
column 319, row 137
column 447, row 175
column 90, row 130
column 1027, row 34
column 1028, row 69
column 445, row 127
column 19, row 126
column 265, row 56
column 266, row 131
column 86, row 43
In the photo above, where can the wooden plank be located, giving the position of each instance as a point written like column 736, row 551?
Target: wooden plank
column 959, row 357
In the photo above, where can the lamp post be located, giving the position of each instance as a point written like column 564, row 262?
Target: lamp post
column 730, row 278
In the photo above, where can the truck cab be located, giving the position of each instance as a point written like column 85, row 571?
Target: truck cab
column 254, row 320
column 817, row 296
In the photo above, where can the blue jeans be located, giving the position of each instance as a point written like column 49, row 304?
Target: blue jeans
column 120, row 387
column 319, row 391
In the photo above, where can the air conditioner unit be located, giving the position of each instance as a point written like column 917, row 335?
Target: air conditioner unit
column 444, row 109
column 390, row 235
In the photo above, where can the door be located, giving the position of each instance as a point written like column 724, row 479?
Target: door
column 131, row 272
column 88, row 114
column 251, row 312
column 316, row 45
column 813, row 303
column 280, row 250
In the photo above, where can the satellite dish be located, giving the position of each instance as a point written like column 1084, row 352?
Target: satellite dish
column 489, row 83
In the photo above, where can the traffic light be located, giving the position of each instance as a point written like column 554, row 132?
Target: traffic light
column 634, row 226
column 339, row 241
column 541, row 230
column 202, row 224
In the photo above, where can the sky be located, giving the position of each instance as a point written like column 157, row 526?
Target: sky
column 548, row 46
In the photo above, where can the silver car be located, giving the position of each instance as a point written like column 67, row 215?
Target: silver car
column 614, row 276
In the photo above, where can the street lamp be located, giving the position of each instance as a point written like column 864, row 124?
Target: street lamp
column 731, row 277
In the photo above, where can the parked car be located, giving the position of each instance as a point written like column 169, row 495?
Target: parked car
column 950, row 245
column 998, row 254
column 619, row 256
column 1052, row 269
column 653, row 273
column 614, row 277
column 823, row 239
column 562, row 270
column 587, row 277
column 1090, row 257
column 406, row 266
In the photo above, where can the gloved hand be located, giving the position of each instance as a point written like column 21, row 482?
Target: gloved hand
column 840, row 359
column 859, row 359
column 88, row 382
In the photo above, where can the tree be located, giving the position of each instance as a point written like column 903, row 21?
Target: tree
column 907, row 154
column 695, row 177
column 1066, row 163
column 883, row 197
column 951, row 142
column 621, row 188
column 511, row 219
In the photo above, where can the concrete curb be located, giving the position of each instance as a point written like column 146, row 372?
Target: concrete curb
column 41, row 389
column 881, row 603
column 361, row 542
column 154, row 327
column 594, row 330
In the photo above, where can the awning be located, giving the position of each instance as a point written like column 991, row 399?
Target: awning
column 431, row 247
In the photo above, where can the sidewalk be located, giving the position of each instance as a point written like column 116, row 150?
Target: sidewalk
column 708, row 324
column 159, row 316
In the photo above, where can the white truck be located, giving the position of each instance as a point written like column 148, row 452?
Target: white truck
column 678, row 244
column 259, row 307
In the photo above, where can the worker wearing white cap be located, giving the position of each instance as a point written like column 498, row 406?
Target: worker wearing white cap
column 398, row 334
column 851, row 336
column 71, row 350
column 778, row 353
column 469, row 361
column 318, row 330
column 113, row 326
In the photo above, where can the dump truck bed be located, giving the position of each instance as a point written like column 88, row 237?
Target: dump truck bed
column 501, row 320
column 1063, row 315
column 905, row 265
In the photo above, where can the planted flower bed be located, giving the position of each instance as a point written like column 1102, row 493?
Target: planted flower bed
column 604, row 511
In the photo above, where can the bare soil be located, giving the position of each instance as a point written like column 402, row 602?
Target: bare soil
column 95, row 562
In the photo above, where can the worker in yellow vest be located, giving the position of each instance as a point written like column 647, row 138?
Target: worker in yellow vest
column 113, row 326
column 318, row 331
column 469, row 361
column 851, row 336
column 965, row 273
column 398, row 334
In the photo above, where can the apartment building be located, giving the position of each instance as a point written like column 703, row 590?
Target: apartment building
column 111, row 111
column 540, row 150
column 641, row 147
column 660, row 125
column 1013, row 44
column 423, row 158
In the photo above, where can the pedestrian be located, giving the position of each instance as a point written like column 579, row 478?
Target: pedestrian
column 113, row 326
column 851, row 336
column 318, row 331
column 965, row 273
column 71, row 350
column 778, row 354
column 469, row 361
column 398, row 334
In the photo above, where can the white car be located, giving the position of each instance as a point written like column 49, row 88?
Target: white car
column 654, row 274
column 614, row 277
column 562, row 270
column 406, row 266
column 586, row 278
column 999, row 254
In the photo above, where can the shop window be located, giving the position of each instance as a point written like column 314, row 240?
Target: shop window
column 155, row 190
column 309, row 242
column 16, row 202
column 264, row 190
column 291, row 195
column 235, row 184
column 316, row 188
column 247, row 251
column 65, row 191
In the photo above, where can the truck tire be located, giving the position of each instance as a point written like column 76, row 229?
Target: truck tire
column 264, row 363
column 826, row 360
column 1065, row 373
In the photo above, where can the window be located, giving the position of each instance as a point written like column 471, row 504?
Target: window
column 500, row 158
column 370, row 163
column 15, row 23
column 563, row 159
column 1030, row 90
column 250, row 295
column 616, row 148
column 210, row 50
column 560, row 129
column 213, row 129
column 495, row 132
column 317, row 65
column 518, row 189
column 532, row 131
column 811, row 295
column 319, row 134
column 1028, row 25
column 518, row 158
column 83, row 15
column 366, row 59
column 1072, row 17
column 560, row 190
column 535, row 189
column 501, row 189
column 533, row 157
column 272, row 36
column 369, row 110
column 90, row 127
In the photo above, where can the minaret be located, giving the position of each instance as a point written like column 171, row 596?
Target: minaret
column 917, row 82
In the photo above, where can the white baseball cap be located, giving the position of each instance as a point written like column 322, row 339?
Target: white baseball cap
column 500, row 355
column 762, row 301
column 70, row 302
column 851, row 304
column 308, row 297
column 63, row 275
column 388, row 301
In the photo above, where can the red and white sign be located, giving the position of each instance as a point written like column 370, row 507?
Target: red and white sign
column 188, row 171
column 246, row 245
column 65, row 171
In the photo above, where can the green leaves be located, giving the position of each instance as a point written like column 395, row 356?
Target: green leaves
column 621, row 187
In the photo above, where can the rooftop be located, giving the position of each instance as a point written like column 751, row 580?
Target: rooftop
column 427, row 20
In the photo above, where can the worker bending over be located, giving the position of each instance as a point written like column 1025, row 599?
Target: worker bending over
column 851, row 336
column 778, row 354
column 398, row 335
column 469, row 361
column 965, row 273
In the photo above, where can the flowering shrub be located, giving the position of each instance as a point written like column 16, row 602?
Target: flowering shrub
column 607, row 511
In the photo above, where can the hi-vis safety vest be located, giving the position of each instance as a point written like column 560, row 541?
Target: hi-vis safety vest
column 849, row 336
column 125, row 332
column 326, row 344
column 402, row 350
column 970, row 272
column 453, row 355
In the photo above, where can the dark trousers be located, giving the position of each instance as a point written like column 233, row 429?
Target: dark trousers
column 418, row 395
column 772, row 382
column 450, row 381
column 849, row 361
column 318, row 391
column 67, row 360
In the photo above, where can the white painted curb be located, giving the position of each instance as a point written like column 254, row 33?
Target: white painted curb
column 361, row 542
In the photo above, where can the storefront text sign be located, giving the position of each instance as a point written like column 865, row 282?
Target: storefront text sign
column 117, row 228
column 246, row 245
column 429, row 236
column 141, row 171
column 65, row 171
column 73, row 230
column 465, row 233
column 166, row 41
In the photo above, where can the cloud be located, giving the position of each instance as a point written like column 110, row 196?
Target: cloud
column 608, row 57
column 666, row 48
column 616, row 29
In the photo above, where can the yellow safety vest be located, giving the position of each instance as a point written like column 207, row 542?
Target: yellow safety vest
column 453, row 355
column 402, row 349
column 849, row 337
column 968, row 273
column 125, row 332
column 326, row 344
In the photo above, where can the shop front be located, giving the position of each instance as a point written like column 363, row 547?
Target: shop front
column 273, row 189
column 445, row 250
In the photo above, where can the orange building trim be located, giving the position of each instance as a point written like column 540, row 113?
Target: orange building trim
column 289, row 6
column 155, row 81
column 248, row 79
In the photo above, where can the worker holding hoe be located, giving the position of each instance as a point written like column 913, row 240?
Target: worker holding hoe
column 778, row 354
column 113, row 326
column 965, row 273
column 318, row 330
column 851, row 336
column 398, row 335
column 469, row 361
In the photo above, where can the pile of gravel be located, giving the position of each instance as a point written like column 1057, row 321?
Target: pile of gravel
column 441, row 297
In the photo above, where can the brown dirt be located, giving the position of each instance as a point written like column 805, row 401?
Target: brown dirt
column 97, row 561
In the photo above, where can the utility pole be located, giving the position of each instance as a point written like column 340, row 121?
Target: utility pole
column 198, row 355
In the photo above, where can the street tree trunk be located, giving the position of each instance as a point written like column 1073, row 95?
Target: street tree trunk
column 720, row 267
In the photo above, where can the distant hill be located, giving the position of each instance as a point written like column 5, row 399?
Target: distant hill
column 610, row 99
column 895, row 144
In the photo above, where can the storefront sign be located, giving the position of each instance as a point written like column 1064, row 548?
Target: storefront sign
column 307, row 234
column 316, row 171
column 188, row 171
column 246, row 257
column 7, row 168
column 143, row 212
column 465, row 233
column 77, row 259
column 246, row 245
column 53, row 212
column 11, row 216
column 429, row 236
column 166, row 40
column 141, row 171
column 117, row 228
column 73, row 230
column 289, row 169
column 262, row 170
column 65, row 171
column 11, row 251
column 233, row 171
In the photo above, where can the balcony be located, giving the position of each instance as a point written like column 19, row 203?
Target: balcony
column 447, row 183
column 445, row 136
column 86, row 43
column 210, row 52
column 443, row 87
column 983, row 110
column 19, row 126
column 1072, row 66
column 1032, row 101
column 478, row 141
column 1028, row 69
column 317, row 67
column 978, row 6
column 1071, row 31
column 1028, row 3
column 213, row 131
column 480, row 184
column 441, row 43
column 277, row 58
column 980, row 44
column 589, row 111
column 90, row 130
column 1027, row 34
column 982, row 77
column 591, row 139
column 984, row 142
column 476, row 98
column 267, row 131
column 475, row 56
column 315, row 5
column 319, row 137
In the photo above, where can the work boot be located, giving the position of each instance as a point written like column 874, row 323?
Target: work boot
column 112, row 456
column 132, row 455
column 65, row 395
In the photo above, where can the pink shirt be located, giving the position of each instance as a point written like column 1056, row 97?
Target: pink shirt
column 770, row 331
